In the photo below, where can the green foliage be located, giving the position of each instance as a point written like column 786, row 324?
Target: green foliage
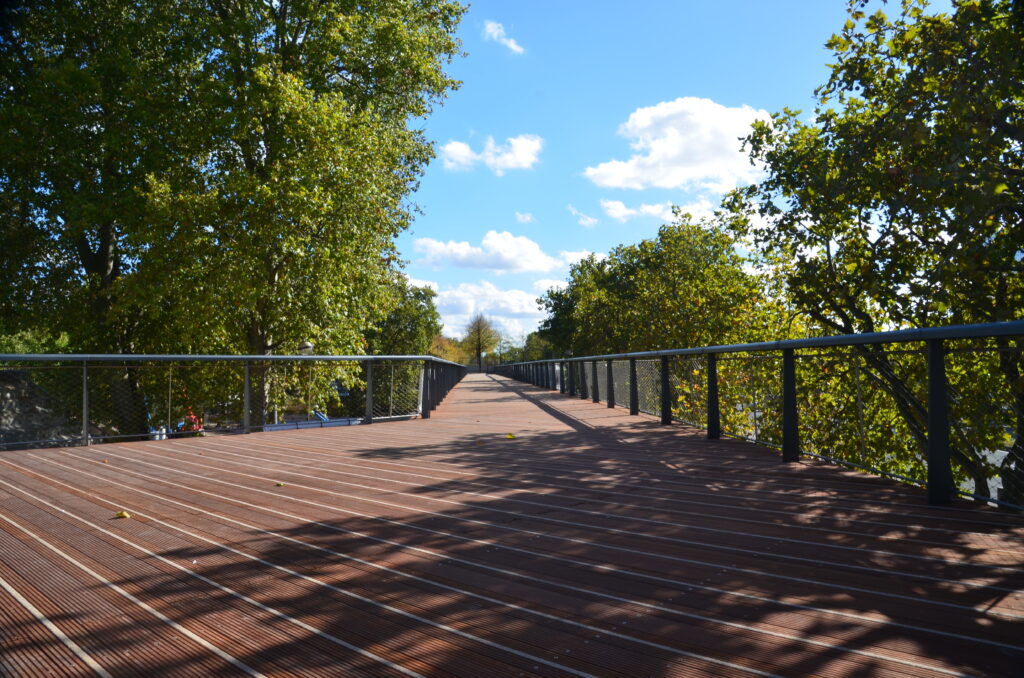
column 900, row 205
column 410, row 327
column 536, row 347
column 33, row 341
column 684, row 288
column 211, row 177
column 189, row 176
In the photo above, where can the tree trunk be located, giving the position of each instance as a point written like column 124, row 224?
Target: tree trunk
column 259, row 344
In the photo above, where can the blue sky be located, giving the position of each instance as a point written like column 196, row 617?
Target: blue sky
column 579, row 123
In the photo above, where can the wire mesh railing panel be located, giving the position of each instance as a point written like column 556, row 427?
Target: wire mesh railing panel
column 195, row 397
column 40, row 404
column 602, row 381
column 48, row 402
column 584, row 381
column 620, row 380
column 750, row 397
column 648, row 386
column 986, row 407
column 690, row 402
column 396, row 389
column 852, row 403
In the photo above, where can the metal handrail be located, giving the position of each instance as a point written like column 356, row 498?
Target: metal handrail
column 166, row 358
column 1010, row 328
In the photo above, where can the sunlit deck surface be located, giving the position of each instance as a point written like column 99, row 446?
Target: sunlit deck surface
column 590, row 543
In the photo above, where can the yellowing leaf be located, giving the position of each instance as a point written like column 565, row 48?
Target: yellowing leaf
column 509, row 436
column 122, row 514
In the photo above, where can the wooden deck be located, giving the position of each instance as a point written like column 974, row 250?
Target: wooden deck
column 517, row 532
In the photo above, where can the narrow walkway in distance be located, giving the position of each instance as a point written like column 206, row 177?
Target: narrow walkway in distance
column 515, row 532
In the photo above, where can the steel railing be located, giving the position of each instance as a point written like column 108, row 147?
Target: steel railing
column 78, row 399
column 942, row 407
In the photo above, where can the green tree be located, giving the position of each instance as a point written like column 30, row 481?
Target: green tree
column 481, row 337
column 900, row 203
column 90, row 98
column 410, row 327
column 186, row 176
column 682, row 289
column 290, row 216
column 536, row 347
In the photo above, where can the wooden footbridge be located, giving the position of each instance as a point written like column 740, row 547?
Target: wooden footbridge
column 516, row 532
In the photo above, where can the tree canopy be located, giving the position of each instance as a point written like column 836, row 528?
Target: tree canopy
column 411, row 327
column 481, row 337
column 683, row 288
column 212, row 176
column 899, row 204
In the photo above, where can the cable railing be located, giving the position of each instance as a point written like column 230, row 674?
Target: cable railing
column 939, row 407
column 51, row 400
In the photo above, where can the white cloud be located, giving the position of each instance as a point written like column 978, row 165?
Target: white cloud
column 496, row 32
column 542, row 286
column 570, row 258
column 702, row 209
column 519, row 152
column 524, row 217
column 416, row 282
column 616, row 209
column 500, row 252
column 515, row 312
column 457, row 155
column 581, row 218
column 686, row 143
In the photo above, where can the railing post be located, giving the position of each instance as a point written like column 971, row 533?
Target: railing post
column 167, row 424
column 940, row 474
column 425, row 391
column 562, row 386
column 571, row 369
column 368, row 416
column 790, row 432
column 610, row 380
column 634, row 389
column 422, row 385
column 435, row 387
column 85, row 403
column 666, row 395
column 714, row 417
column 595, row 391
column 582, row 378
column 246, row 400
